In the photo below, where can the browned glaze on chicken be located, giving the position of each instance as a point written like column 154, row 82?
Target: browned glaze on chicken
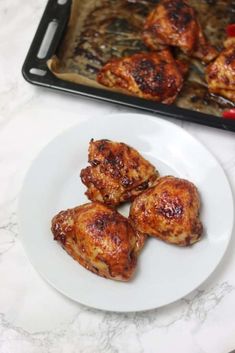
column 220, row 74
column 100, row 239
column 174, row 23
column 155, row 76
column 118, row 173
column 169, row 211
column 203, row 50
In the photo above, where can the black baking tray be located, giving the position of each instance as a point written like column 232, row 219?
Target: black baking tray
column 59, row 13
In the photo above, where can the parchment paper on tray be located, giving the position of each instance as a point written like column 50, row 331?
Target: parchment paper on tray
column 101, row 29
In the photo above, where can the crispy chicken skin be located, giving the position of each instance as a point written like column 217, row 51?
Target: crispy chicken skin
column 169, row 211
column 118, row 173
column 174, row 23
column 156, row 76
column 220, row 74
column 100, row 239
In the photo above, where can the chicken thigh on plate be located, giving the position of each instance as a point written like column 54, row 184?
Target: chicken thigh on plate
column 169, row 211
column 100, row 239
column 118, row 173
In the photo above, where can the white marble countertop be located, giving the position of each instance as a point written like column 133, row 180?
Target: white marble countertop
column 34, row 318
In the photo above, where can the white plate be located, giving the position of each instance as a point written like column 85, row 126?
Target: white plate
column 165, row 272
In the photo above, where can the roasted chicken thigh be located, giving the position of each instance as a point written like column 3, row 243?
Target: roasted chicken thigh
column 118, row 173
column 220, row 74
column 156, row 76
column 174, row 23
column 169, row 211
column 100, row 239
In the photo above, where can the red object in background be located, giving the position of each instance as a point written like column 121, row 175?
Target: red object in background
column 231, row 30
column 229, row 114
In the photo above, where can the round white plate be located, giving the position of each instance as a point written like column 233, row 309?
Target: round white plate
column 165, row 272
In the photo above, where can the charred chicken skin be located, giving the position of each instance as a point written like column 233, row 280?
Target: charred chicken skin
column 100, row 239
column 156, row 76
column 169, row 211
column 118, row 173
column 174, row 23
column 220, row 74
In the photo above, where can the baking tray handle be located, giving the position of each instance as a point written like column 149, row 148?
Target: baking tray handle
column 56, row 12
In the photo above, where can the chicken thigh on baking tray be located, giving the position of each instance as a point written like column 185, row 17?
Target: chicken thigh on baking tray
column 220, row 74
column 175, row 23
column 156, row 76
